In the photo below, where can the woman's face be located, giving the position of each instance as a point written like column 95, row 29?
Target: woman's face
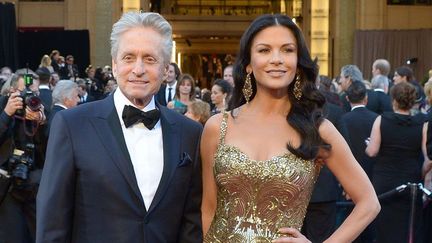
column 273, row 58
column 398, row 79
column 186, row 87
column 217, row 96
column 91, row 73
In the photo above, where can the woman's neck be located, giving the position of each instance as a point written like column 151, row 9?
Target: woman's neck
column 266, row 104
column 220, row 106
column 184, row 98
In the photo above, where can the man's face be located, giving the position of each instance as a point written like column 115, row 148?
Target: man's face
column 171, row 78
column 228, row 75
column 73, row 100
column 345, row 82
column 375, row 71
column 138, row 65
column 70, row 60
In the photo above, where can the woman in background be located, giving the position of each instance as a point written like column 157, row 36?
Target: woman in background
column 184, row 94
column 221, row 89
column 46, row 62
column 396, row 141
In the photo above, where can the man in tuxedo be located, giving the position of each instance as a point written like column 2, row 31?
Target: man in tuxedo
column 125, row 168
column 85, row 97
column 381, row 101
column 65, row 95
column 356, row 128
column 167, row 90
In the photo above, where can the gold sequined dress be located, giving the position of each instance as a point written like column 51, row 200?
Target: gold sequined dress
column 256, row 198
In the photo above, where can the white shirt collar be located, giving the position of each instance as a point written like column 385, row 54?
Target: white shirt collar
column 379, row 90
column 357, row 106
column 172, row 86
column 61, row 105
column 44, row 86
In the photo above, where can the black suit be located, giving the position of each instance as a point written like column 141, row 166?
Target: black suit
column 320, row 219
column 54, row 110
column 357, row 126
column 89, row 191
column 46, row 96
column 378, row 102
column 160, row 96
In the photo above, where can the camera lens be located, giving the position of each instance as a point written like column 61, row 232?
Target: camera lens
column 33, row 102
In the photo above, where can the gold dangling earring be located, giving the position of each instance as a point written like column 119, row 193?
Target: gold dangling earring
column 247, row 88
column 297, row 88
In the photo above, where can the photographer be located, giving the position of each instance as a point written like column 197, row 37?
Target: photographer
column 21, row 114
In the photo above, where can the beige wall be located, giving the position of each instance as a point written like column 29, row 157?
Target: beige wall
column 414, row 17
column 376, row 14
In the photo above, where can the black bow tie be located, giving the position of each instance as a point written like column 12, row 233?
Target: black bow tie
column 132, row 115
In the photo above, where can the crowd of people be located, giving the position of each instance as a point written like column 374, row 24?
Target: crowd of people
column 326, row 140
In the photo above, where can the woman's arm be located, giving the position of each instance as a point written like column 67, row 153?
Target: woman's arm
column 355, row 183
column 209, row 143
column 427, row 164
column 374, row 144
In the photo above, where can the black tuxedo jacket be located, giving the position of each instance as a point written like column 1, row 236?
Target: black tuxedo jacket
column 89, row 191
column 378, row 102
column 160, row 96
column 357, row 126
column 54, row 110
column 46, row 96
column 326, row 187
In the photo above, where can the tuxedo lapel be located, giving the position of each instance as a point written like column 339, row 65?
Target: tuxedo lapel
column 171, row 146
column 108, row 128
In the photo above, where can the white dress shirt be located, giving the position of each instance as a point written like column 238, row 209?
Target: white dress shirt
column 145, row 149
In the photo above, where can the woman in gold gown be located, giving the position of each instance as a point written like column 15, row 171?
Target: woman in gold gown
column 261, row 159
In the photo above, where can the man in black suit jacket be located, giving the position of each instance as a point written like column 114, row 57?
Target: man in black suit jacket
column 320, row 219
column 356, row 128
column 124, row 169
column 45, row 93
column 167, row 90
column 65, row 95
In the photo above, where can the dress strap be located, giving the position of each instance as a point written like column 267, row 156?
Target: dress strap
column 223, row 127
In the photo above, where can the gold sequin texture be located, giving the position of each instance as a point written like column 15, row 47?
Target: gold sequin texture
column 256, row 198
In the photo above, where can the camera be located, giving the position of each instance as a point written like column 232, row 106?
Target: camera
column 29, row 98
column 21, row 163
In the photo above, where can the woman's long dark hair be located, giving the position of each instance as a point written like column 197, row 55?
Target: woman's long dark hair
column 305, row 115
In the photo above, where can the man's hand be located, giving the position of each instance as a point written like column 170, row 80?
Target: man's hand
column 14, row 103
column 38, row 115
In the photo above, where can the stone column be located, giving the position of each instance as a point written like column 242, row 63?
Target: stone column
column 103, row 25
column 343, row 25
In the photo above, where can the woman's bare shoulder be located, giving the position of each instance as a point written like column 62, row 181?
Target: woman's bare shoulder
column 212, row 126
